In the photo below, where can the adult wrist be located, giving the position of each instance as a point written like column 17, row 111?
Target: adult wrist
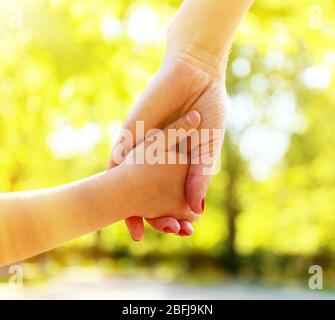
column 214, row 64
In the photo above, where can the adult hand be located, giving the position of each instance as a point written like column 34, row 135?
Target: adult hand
column 192, row 77
column 182, row 84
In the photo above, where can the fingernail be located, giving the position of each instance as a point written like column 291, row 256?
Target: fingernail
column 136, row 240
column 203, row 204
column 193, row 117
column 167, row 230
column 183, row 233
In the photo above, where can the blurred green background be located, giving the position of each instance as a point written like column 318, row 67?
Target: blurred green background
column 70, row 72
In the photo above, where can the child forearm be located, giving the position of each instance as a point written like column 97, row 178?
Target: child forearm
column 205, row 28
column 34, row 222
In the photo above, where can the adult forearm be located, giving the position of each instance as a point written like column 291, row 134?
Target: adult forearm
column 205, row 29
column 34, row 222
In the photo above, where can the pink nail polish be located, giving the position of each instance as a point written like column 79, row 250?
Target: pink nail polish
column 136, row 240
column 203, row 205
column 167, row 230
column 183, row 233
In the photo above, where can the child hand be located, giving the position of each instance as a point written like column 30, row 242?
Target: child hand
column 158, row 189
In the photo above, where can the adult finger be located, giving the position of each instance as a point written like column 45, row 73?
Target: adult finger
column 165, row 224
column 186, row 228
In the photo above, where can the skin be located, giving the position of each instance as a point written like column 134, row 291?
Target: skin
column 33, row 222
column 192, row 77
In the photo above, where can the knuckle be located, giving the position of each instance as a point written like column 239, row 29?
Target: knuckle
column 176, row 125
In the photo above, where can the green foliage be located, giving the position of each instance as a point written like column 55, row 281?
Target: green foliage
column 74, row 71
